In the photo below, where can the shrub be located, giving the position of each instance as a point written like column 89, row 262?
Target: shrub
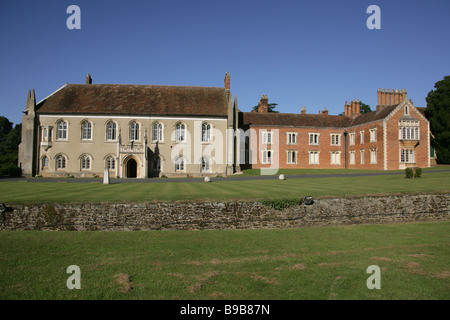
column 418, row 173
column 409, row 173
column 14, row 171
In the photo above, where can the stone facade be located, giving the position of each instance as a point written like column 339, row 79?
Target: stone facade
column 226, row 215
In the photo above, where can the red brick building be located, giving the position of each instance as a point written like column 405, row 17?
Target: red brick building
column 394, row 136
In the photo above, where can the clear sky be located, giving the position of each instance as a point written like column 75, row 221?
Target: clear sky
column 314, row 54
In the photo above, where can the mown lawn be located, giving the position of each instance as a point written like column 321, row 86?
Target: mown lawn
column 24, row 192
column 311, row 263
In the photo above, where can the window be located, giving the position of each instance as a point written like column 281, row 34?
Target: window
column 266, row 137
column 314, row 157
column 60, row 162
column 111, row 129
column 85, row 163
column 157, row 132
column 352, row 138
column 361, row 137
column 373, row 135
column 407, row 156
column 206, row 164
column 86, row 130
column 180, row 132
column 266, row 156
column 46, row 134
column 373, row 155
column 409, row 133
column 291, row 138
column 313, row 138
column 111, row 163
column 335, row 157
column 335, row 139
column 406, row 110
column 179, row 164
column 134, row 131
column 362, row 156
column 156, row 164
column 352, row 157
column 206, row 132
column 44, row 164
column 292, row 157
column 62, row 130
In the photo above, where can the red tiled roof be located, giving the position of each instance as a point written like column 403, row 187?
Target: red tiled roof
column 294, row 120
column 121, row 99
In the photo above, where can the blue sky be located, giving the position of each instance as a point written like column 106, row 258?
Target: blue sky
column 315, row 54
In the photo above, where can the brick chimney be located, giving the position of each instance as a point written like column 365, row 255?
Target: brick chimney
column 325, row 111
column 88, row 79
column 303, row 110
column 390, row 98
column 263, row 105
column 227, row 81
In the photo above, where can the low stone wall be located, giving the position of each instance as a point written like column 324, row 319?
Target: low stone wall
column 226, row 215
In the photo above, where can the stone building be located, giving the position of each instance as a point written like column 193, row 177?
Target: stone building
column 136, row 131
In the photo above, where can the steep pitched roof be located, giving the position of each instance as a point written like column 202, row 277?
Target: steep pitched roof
column 294, row 120
column 122, row 99
column 373, row 116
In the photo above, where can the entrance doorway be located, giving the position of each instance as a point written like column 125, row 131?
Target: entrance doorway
column 131, row 168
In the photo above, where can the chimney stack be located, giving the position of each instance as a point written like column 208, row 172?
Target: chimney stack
column 88, row 79
column 325, row 111
column 390, row 98
column 227, row 81
column 263, row 105
column 303, row 110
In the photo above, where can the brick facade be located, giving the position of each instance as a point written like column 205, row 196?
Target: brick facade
column 371, row 141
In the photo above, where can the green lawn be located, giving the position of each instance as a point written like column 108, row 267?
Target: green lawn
column 310, row 263
column 25, row 192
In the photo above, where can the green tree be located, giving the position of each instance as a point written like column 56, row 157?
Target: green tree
column 9, row 144
column 438, row 113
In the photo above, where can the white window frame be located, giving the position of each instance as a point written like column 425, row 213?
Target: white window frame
column 44, row 162
column 206, row 164
column 361, row 152
column 111, row 163
column 157, row 132
column 267, row 137
column 335, row 157
column 180, row 165
column 266, row 156
column 61, row 162
column 291, row 156
column 206, row 132
column 373, row 134
column 291, row 138
column 315, row 156
column 180, row 132
column 111, row 131
column 352, row 157
column 135, row 130
column 335, row 139
column 361, row 137
column 86, row 130
column 86, row 163
column 352, row 138
column 62, row 127
column 407, row 155
column 373, row 156
column 314, row 138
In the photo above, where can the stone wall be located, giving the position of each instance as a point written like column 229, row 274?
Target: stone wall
column 226, row 215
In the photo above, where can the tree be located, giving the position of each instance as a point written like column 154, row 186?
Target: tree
column 271, row 107
column 438, row 113
column 9, row 144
